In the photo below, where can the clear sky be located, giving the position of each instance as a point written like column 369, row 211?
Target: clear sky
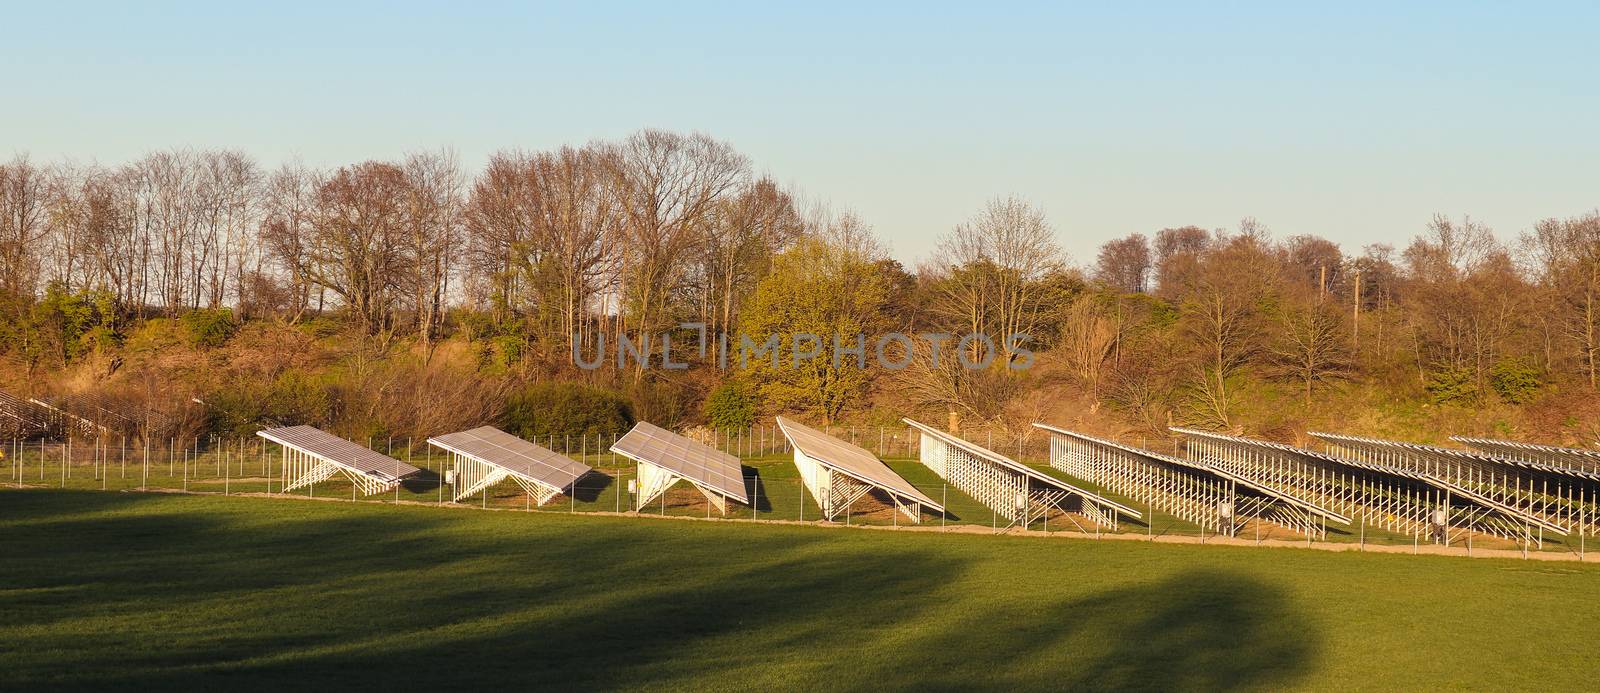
column 1355, row 122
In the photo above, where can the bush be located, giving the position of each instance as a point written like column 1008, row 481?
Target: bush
column 1515, row 380
column 292, row 398
column 730, row 407
column 320, row 327
column 1454, row 385
column 563, row 408
column 508, row 350
column 209, row 327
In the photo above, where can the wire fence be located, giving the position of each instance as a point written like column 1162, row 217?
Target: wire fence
column 254, row 466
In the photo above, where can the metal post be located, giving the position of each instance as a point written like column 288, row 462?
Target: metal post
column 944, row 497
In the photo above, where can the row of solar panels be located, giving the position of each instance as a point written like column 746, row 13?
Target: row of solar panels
column 719, row 474
column 74, row 415
column 716, row 472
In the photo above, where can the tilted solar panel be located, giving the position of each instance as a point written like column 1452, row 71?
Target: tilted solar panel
column 701, row 464
column 851, row 460
column 1578, row 461
column 515, row 455
column 1015, row 466
column 339, row 451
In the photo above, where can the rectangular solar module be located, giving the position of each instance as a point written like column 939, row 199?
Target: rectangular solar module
column 852, row 462
column 717, row 474
column 997, row 481
column 313, row 455
column 492, row 455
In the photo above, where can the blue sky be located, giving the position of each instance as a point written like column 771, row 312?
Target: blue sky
column 1355, row 122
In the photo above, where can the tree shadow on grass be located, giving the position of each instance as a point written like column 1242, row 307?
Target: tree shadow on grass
column 1198, row 630
column 141, row 591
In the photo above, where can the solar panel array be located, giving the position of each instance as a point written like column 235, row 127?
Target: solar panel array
column 515, row 455
column 698, row 463
column 344, row 453
column 851, row 460
column 21, row 417
column 1576, row 461
column 1018, row 467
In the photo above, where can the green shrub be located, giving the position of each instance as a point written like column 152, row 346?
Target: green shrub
column 508, row 350
column 209, row 327
column 1452, row 386
column 64, row 325
column 730, row 407
column 151, row 335
column 1515, row 380
column 292, row 398
column 564, row 408
column 320, row 327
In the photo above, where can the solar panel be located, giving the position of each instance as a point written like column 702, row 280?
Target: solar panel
column 1577, row 461
column 21, row 414
column 1018, row 467
column 515, row 455
column 851, row 460
column 332, row 448
column 702, row 465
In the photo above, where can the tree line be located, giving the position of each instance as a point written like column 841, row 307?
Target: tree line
column 539, row 254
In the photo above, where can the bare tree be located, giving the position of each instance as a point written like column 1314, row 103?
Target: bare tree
column 1176, row 253
column 991, row 271
column 1125, row 263
column 432, row 219
column 747, row 229
column 1088, row 338
column 1313, row 346
column 549, row 232
column 1566, row 252
column 667, row 186
column 1221, row 302
column 23, row 226
column 356, row 244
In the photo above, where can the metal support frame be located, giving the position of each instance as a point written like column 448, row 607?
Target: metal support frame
column 1001, row 489
column 655, row 480
column 473, row 475
column 1396, row 503
column 1188, row 494
column 835, row 491
column 302, row 469
column 1519, row 495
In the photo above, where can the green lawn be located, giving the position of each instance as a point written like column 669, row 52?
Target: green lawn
column 156, row 591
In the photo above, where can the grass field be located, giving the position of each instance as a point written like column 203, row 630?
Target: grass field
column 158, row 591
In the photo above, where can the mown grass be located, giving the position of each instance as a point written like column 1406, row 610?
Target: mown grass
column 112, row 591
